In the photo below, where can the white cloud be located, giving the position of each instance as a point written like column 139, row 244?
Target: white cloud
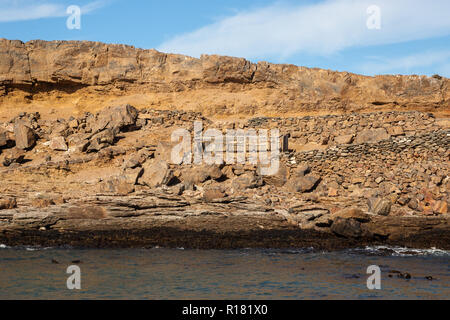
column 323, row 28
column 21, row 10
column 432, row 60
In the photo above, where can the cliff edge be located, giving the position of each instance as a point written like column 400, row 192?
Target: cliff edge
column 87, row 76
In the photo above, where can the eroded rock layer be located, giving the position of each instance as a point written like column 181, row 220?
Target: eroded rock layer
column 108, row 180
column 88, row 76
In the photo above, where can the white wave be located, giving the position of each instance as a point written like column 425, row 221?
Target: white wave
column 402, row 251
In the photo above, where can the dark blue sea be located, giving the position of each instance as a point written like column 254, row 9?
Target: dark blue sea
column 41, row 273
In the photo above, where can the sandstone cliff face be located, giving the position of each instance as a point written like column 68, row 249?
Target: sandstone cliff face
column 91, row 75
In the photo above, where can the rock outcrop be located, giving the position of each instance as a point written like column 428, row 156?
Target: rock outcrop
column 102, row 175
column 92, row 75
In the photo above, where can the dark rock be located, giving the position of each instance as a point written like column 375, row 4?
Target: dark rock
column 348, row 228
column 101, row 140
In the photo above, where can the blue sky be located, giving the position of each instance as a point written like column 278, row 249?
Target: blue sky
column 403, row 37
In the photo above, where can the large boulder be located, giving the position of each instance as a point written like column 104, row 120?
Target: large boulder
column 117, row 118
column 248, row 180
column 199, row 174
column 118, row 185
column 345, row 139
column 303, row 183
column 156, row 174
column 372, row 136
column 24, row 135
column 278, row 179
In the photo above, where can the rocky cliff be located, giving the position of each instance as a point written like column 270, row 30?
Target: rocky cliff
column 88, row 76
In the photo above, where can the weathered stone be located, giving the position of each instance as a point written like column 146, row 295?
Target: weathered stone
column 372, row 136
column 279, row 179
column 213, row 194
column 58, row 144
column 73, row 124
column 248, row 180
column 156, row 174
column 42, row 202
column 10, row 203
column 302, row 184
column 379, row 206
column 25, row 136
column 199, row 174
column 119, row 185
column 345, row 139
column 101, row 140
column 301, row 170
column 440, row 207
column 348, row 228
column 396, row 131
column 352, row 213
column 132, row 175
column 3, row 138
column 116, row 118
column 13, row 155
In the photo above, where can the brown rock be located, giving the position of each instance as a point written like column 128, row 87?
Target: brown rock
column 25, row 136
column 379, row 206
column 372, row 136
column 116, row 118
column 199, row 174
column 302, row 184
column 213, row 194
column 118, row 185
column 101, row 140
column 156, row 174
column 301, row 170
column 8, row 203
column 42, row 202
column 3, row 138
column 396, row 131
column 440, row 207
column 345, row 139
column 58, row 144
column 279, row 179
column 351, row 213
column 14, row 155
column 101, row 65
column 348, row 228
column 248, row 180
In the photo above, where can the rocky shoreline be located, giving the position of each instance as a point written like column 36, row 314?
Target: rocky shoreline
column 106, row 180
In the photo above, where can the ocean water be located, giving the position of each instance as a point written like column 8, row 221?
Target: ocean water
column 41, row 273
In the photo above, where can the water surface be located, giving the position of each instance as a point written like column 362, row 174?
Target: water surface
column 30, row 273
